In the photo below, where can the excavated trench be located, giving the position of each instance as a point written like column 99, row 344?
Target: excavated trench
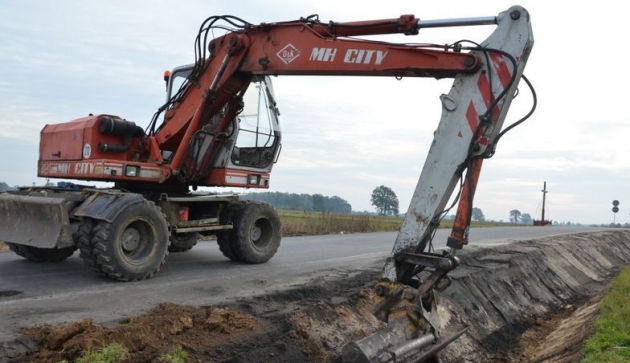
column 505, row 291
column 525, row 301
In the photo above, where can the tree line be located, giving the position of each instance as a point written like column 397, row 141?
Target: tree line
column 515, row 216
column 302, row 202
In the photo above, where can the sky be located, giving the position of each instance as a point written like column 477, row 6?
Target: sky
column 342, row 136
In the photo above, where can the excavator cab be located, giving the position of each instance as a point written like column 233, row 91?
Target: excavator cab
column 258, row 140
column 252, row 140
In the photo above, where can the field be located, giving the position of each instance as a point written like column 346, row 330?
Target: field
column 296, row 223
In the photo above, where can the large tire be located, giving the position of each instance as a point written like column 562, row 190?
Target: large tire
column 226, row 238
column 84, row 238
column 134, row 246
column 182, row 242
column 257, row 232
column 41, row 254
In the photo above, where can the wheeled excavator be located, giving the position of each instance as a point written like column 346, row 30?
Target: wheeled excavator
column 219, row 128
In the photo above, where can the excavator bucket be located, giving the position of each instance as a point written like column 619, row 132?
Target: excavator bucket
column 413, row 332
column 36, row 221
column 391, row 345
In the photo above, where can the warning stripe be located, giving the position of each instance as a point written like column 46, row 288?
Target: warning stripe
column 484, row 88
column 471, row 116
column 483, row 84
column 502, row 69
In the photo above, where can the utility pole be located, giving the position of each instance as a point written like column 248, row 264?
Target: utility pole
column 543, row 221
column 543, row 206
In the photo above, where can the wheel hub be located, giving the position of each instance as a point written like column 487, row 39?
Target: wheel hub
column 130, row 239
column 256, row 231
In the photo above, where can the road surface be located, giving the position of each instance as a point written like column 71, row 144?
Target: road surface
column 35, row 293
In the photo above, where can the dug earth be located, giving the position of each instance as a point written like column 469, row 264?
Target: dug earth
column 525, row 301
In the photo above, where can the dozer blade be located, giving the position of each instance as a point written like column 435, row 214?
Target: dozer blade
column 390, row 345
column 36, row 221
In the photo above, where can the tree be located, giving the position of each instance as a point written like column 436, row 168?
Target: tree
column 526, row 218
column 515, row 215
column 4, row 186
column 385, row 201
column 477, row 215
column 318, row 203
column 336, row 204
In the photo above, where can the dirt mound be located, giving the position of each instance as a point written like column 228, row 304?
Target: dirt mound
column 306, row 324
column 3, row 247
column 148, row 336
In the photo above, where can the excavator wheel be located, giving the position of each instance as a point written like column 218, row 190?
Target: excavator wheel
column 182, row 242
column 134, row 245
column 41, row 254
column 225, row 239
column 84, row 239
column 256, row 232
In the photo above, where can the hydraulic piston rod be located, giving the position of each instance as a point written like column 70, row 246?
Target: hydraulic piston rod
column 439, row 23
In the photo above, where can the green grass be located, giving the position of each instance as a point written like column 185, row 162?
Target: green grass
column 179, row 355
column 116, row 352
column 112, row 353
column 295, row 223
column 611, row 339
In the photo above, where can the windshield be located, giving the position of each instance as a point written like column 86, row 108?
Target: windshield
column 259, row 131
column 178, row 80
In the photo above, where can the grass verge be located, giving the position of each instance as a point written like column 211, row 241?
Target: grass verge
column 611, row 339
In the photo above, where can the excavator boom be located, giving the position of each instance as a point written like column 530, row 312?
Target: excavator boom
column 473, row 113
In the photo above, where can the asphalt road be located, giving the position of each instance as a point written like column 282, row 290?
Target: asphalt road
column 35, row 293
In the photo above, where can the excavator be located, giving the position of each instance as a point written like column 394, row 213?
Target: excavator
column 219, row 128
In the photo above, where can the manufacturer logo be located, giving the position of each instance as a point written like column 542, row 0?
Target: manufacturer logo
column 353, row 56
column 45, row 168
column 288, row 54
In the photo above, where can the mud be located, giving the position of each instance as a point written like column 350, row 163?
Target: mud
column 526, row 301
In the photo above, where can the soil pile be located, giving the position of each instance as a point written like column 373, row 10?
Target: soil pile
column 148, row 336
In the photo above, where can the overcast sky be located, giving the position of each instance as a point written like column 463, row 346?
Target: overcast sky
column 341, row 136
